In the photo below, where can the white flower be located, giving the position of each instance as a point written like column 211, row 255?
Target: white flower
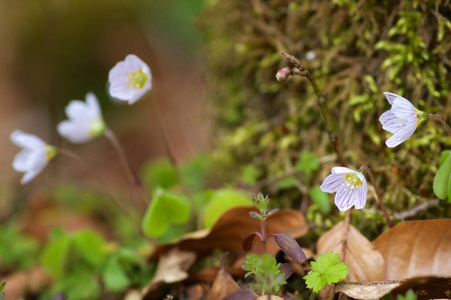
column 350, row 186
column 130, row 79
column 85, row 120
column 34, row 157
column 401, row 120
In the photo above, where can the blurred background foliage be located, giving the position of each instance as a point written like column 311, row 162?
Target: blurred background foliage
column 268, row 136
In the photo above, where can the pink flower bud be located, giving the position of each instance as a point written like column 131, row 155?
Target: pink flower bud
column 283, row 74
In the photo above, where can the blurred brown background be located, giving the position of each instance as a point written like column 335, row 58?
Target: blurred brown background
column 54, row 51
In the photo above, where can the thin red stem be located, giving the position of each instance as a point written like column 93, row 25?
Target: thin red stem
column 440, row 119
column 378, row 195
column 131, row 174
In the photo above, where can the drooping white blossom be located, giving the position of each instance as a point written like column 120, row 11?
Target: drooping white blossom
column 350, row 187
column 34, row 156
column 401, row 120
column 85, row 120
column 130, row 79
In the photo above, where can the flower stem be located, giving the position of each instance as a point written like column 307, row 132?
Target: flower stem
column 322, row 102
column 440, row 119
column 378, row 195
column 131, row 174
column 312, row 295
column 263, row 232
column 117, row 202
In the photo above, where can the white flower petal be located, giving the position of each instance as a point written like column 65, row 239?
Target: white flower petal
column 391, row 123
column 77, row 110
column 26, row 140
column 82, row 115
column 391, row 97
column 20, row 162
column 340, row 170
column 33, row 158
column 332, row 183
column 344, row 199
column 93, row 106
column 360, row 201
column 119, row 79
column 403, row 134
column 403, row 109
column 76, row 132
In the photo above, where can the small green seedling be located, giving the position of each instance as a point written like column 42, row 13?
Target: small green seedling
column 268, row 277
column 326, row 269
column 267, row 271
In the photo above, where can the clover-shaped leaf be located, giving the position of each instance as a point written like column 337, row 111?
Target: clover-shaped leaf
column 327, row 269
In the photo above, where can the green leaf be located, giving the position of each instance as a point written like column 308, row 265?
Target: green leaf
column 160, row 173
column 308, row 163
column 442, row 178
column 2, row 285
column 326, row 269
column 91, row 246
column 165, row 209
column 320, row 198
column 114, row 277
column 222, row 201
column 54, row 256
column 193, row 171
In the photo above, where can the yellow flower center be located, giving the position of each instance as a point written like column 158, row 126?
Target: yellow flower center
column 353, row 181
column 137, row 80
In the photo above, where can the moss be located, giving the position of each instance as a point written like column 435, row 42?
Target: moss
column 361, row 49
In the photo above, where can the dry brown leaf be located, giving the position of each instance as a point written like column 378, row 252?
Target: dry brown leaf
column 230, row 230
column 269, row 297
column 223, row 286
column 171, row 268
column 366, row 290
column 364, row 261
column 209, row 275
column 424, row 288
column 416, row 249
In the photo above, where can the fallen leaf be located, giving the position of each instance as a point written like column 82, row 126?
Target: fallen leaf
column 223, row 286
column 171, row 268
column 424, row 288
column 364, row 261
column 209, row 275
column 416, row 249
column 230, row 230
column 269, row 297
column 368, row 290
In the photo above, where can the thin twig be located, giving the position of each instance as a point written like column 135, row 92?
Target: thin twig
column 378, row 195
column 440, row 119
column 131, row 174
column 322, row 102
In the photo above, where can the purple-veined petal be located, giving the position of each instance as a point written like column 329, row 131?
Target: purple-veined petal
column 361, row 197
column 391, row 97
column 345, row 198
column 403, row 134
column 332, row 183
column 403, row 109
column 390, row 122
column 341, row 170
